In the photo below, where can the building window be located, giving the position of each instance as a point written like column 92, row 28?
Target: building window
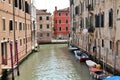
column 110, row 18
column 66, row 28
column 47, row 26
column 110, row 44
column 66, row 21
column 97, row 18
column 40, row 17
column 20, row 26
column 66, row 14
column 26, row 7
column 77, row 10
column 10, row 25
column 60, row 28
column 102, row 43
column 16, row 3
column 20, row 4
column 59, row 14
column 48, row 34
column 4, row 26
column 59, row 21
column 4, row 53
column 40, row 26
column 102, row 19
column 47, row 18
column 41, row 35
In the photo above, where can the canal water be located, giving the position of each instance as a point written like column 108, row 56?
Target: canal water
column 52, row 62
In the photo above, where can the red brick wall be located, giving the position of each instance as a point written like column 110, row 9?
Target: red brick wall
column 63, row 23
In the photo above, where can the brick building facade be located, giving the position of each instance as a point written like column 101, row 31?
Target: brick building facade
column 15, row 25
column 61, row 23
column 44, row 25
column 101, row 19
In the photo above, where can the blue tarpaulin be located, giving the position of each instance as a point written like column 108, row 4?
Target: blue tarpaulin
column 112, row 78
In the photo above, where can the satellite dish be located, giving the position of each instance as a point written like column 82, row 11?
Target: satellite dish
column 85, row 31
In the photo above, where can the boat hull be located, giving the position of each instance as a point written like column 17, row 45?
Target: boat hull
column 90, row 63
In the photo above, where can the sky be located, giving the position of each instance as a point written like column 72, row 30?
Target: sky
column 50, row 4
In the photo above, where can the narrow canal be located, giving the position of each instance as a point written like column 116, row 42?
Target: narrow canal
column 52, row 62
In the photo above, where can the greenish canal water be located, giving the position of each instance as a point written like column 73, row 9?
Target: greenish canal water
column 52, row 62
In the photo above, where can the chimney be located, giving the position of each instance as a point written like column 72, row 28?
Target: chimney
column 55, row 8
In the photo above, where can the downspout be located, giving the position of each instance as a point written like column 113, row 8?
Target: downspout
column 15, row 49
column 25, row 29
column 31, row 22
column 11, row 44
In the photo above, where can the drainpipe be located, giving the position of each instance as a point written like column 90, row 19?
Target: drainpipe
column 11, row 54
column 25, row 29
column 15, row 50
column 31, row 21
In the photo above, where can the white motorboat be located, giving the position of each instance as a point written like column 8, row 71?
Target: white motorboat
column 90, row 63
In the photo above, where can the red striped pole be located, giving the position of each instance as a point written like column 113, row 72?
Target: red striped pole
column 11, row 54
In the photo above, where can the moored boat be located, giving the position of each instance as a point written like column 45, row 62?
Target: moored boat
column 97, row 73
column 72, row 48
column 90, row 63
column 81, row 56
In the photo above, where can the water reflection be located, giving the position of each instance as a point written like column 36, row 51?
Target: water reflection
column 52, row 62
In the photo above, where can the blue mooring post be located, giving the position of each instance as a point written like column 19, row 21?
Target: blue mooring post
column 16, row 45
column 11, row 54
